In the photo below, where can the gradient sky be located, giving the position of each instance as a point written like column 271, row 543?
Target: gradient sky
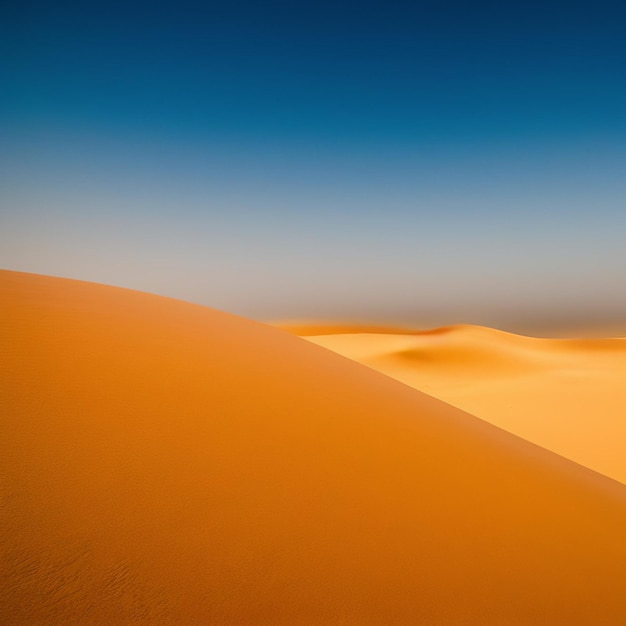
column 409, row 162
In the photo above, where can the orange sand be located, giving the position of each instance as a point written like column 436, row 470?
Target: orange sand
column 566, row 395
column 166, row 463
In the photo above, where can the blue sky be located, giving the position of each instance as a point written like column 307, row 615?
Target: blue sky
column 415, row 163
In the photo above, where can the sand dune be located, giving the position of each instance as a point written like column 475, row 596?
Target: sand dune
column 167, row 463
column 566, row 395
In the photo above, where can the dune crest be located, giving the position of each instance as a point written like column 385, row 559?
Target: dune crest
column 567, row 395
column 167, row 463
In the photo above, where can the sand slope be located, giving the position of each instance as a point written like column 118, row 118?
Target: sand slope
column 566, row 395
column 166, row 463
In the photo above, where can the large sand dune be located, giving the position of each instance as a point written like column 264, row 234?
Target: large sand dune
column 166, row 463
column 566, row 395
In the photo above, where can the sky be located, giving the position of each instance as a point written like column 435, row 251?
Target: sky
column 412, row 163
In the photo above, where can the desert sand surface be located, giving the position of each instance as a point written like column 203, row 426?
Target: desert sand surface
column 567, row 395
column 163, row 462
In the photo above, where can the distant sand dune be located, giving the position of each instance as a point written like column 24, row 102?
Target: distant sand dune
column 567, row 395
column 166, row 463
